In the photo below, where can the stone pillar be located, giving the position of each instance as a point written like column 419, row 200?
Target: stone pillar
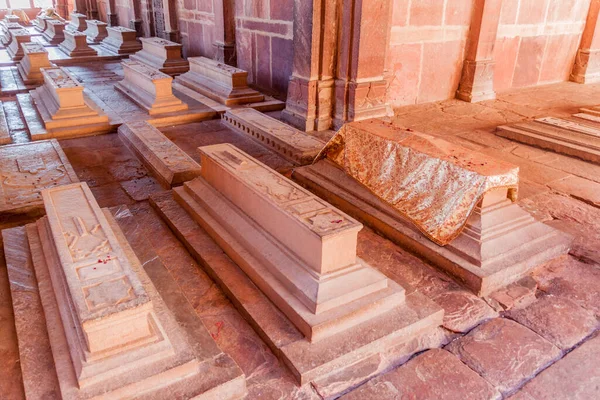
column 360, row 87
column 310, row 90
column 171, row 32
column 225, row 31
column 587, row 63
column 111, row 13
column 135, row 22
column 477, row 81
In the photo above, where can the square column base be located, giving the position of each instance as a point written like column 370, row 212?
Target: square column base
column 477, row 81
column 587, row 67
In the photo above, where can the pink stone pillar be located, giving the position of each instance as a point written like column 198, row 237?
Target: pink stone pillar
column 225, row 31
column 310, row 90
column 587, row 63
column 477, row 81
column 360, row 87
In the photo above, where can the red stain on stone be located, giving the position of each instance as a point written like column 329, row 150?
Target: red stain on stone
column 219, row 326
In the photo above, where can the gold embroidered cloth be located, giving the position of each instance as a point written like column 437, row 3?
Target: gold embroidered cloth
column 431, row 182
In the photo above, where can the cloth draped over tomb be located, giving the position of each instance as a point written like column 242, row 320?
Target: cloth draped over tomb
column 433, row 183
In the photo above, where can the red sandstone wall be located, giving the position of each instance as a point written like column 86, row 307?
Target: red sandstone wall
column 537, row 41
column 197, row 27
column 427, row 44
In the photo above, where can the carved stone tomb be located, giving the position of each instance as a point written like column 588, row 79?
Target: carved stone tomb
column 75, row 45
column 55, row 32
column 96, row 30
column 162, row 55
column 6, row 38
column 19, row 36
column 78, row 23
column 121, row 40
column 35, row 57
column 41, row 23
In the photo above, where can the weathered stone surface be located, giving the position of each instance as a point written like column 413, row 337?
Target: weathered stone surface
column 35, row 57
column 26, row 170
column 463, row 310
column 516, row 295
column 557, row 319
column 504, row 353
column 218, row 81
column 96, row 30
column 55, row 32
column 75, row 44
column 435, row 374
column 77, row 23
column 171, row 164
column 149, row 88
column 163, row 55
column 293, row 144
column 19, row 36
column 121, row 40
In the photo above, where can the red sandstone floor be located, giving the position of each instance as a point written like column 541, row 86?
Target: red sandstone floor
column 544, row 346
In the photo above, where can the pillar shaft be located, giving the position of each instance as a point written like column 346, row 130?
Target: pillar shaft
column 225, row 31
column 587, row 63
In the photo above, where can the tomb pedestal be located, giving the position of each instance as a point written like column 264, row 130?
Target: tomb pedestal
column 14, row 49
column 65, row 109
column 163, row 55
column 55, row 32
column 12, row 19
column 41, row 23
column 96, row 30
column 111, row 333
column 291, row 143
column 149, row 88
column 78, row 23
column 220, row 82
column 75, row 45
column 35, row 57
column 121, row 40
column 6, row 38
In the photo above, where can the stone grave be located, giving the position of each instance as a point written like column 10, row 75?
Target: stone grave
column 121, row 40
column 6, row 37
column 96, row 30
column 75, row 45
column 35, row 57
column 170, row 165
column 579, row 137
column 149, row 88
column 78, row 23
column 163, row 55
column 40, row 24
column 20, row 36
column 55, row 32
column 27, row 169
column 12, row 19
column 220, row 82
column 301, row 253
column 65, row 109
column 499, row 242
column 111, row 333
column 293, row 144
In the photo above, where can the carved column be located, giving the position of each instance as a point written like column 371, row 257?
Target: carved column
column 111, row 13
column 360, row 87
column 225, row 31
column 587, row 63
column 171, row 32
column 477, row 81
column 310, row 90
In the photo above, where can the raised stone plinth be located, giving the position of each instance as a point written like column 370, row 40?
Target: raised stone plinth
column 6, row 37
column 41, row 23
column 12, row 19
column 75, row 45
column 111, row 333
column 575, row 137
column 78, row 23
column 499, row 244
column 121, row 40
column 149, row 88
column 171, row 165
column 162, row 55
column 220, row 82
column 291, row 143
column 55, row 32
column 27, row 169
column 65, row 109
column 14, row 49
column 96, row 30
column 35, row 57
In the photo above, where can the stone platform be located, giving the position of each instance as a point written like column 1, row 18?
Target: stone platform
column 55, row 32
column 111, row 333
column 75, row 45
column 19, row 36
column 96, row 31
column 163, row 55
column 221, row 82
column 35, row 57
column 121, row 41
column 578, row 137
column 77, row 24
column 293, row 144
column 171, row 165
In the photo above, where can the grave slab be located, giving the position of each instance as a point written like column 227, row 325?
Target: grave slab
column 75, row 45
column 35, row 57
column 579, row 138
column 96, row 30
column 163, row 55
column 78, row 23
column 65, row 109
column 293, row 144
column 171, row 165
column 220, row 82
column 15, row 51
column 27, row 169
column 149, row 88
column 55, row 32
column 121, row 40
column 111, row 333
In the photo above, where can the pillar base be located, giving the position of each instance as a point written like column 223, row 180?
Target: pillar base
column 225, row 53
column 306, row 100
column 359, row 101
column 136, row 25
column 477, row 81
column 587, row 67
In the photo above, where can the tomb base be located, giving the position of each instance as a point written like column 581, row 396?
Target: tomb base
column 55, row 32
column 500, row 244
column 308, row 361
column 35, row 57
column 121, row 40
column 14, row 49
column 96, row 31
column 162, row 55
column 579, row 138
column 75, row 45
